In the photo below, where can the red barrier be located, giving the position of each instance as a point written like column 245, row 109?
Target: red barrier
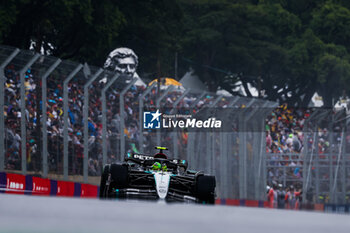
column 41, row 186
column 251, row 203
column 15, row 183
column 65, row 188
column 232, row 202
column 319, row 207
column 20, row 184
column 88, row 190
column 266, row 204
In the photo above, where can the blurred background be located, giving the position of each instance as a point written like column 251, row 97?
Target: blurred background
column 281, row 66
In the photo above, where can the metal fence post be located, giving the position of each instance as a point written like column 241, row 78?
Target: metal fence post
column 227, row 160
column 251, row 171
column 344, row 163
column 216, row 101
column 169, row 89
column 263, row 156
column 86, row 123
column 306, row 152
column 208, row 152
column 257, row 131
column 198, row 99
column 175, row 148
column 177, row 101
column 233, row 101
column 141, row 103
column 334, row 192
column 243, row 153
column 23, row 114
column 213, row 152
column 224, row 164
column 122, row 123
column 65, row 116
column 44, row 115
column 104, row 118
column 330, row 156
column 191, row 151
column 190, row 146
column 2, row 96
column 261, row 163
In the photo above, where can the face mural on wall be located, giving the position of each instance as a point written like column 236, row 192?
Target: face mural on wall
column 123, row 61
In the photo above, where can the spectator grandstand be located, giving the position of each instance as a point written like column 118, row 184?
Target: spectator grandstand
column 294, row 144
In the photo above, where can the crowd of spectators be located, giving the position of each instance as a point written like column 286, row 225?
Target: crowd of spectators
column 12, row 114
column 287, row 139
column 284, row 197
column 55, row 121
column 284, row 127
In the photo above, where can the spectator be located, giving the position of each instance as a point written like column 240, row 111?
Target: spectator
column 281, row 197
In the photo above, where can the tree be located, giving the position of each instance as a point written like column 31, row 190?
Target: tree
column 239, row 38
column 153, row 30
column 79, row 30
column 288, row 48
column 206, row 39
column 7, row 17
column 331, row 23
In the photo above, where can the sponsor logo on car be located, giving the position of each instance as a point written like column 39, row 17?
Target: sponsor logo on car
column 162, row 190
column 142, row 157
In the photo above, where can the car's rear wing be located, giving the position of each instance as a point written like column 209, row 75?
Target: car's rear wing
column 144, row 159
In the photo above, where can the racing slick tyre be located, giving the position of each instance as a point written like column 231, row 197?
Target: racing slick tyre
column 119, row 176
column 205, row 188
column 104, row 178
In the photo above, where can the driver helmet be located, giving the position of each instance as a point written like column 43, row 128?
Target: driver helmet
column 156, row 166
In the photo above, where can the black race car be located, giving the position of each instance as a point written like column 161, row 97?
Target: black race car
column 156, row 177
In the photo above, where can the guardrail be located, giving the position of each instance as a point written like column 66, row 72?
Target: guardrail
column 11, row 183
column 328, row 208
column 30, row 185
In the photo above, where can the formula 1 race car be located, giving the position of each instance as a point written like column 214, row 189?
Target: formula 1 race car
column 157, row 178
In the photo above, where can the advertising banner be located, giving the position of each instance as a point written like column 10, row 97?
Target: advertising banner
column 31, row 185
column 65, row 188
column 88, row 190
column 15, row 183
column 41, row 186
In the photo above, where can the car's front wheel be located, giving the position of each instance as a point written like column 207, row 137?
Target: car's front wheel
column 205, row 189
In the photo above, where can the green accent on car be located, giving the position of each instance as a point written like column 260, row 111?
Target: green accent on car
column 156, row 166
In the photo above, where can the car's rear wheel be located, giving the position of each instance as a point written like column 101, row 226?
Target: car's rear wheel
column 103, row 181
column 119, row 176
column 205, row 189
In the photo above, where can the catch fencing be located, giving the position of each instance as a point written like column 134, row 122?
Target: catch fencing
column 321, row 170
column 66, row 118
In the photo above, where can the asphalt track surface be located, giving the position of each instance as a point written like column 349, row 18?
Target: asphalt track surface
column 21, row 213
